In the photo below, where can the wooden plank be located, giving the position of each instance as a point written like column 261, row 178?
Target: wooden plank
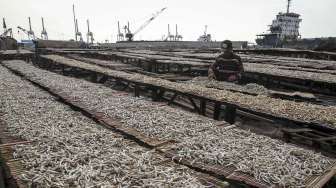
column 296, row 130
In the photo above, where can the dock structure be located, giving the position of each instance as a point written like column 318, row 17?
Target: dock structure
column 155, row 116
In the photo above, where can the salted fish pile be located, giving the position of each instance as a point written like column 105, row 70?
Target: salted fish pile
column 110, row 64
column 277, row 71
column 283, row 108
column 138, row 113
column 258, row 67
column 268, row 160
column 70, row 150
column 248, row 88
column 285, row 63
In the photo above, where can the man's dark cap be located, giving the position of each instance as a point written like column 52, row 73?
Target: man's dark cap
column 226, row 44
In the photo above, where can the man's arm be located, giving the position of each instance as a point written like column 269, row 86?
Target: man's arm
column 214, row 65
column 240, row 63
column 211, row 73
column 219, row 58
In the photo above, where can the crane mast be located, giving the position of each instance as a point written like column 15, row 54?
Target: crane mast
column 44, row 34
column 178, row 37
column 128, row 33
column 77, row 33
column 170, row 37
column 31, row 34
column 4, row 23
column 288, row 5
column 89, row 35
column 74, row 17
column 6, row 31
column 120, row 36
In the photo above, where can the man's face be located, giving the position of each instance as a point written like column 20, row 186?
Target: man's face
column 226, row 47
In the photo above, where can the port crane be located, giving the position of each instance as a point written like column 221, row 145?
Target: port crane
column 130, row 36
column 77, row 33
column 169, row 37
column 30, row 33
column 178, row 37
column 44, row 34
column 89, row 35
column 6, row 31
column 120, row 36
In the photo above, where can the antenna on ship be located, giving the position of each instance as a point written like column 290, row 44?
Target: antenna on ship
column 288, row 5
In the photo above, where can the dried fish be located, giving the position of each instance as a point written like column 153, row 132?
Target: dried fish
column 280, row 71
column 289, row 109
column 71, row 150
column 198, row 139
column 266, row 159
column 248, row 88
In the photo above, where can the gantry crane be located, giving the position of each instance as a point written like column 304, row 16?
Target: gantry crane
column 30, row 36
column 178, row 37
column 77, row 33
column 6, row 31
column 89, row 35
column 130, row 36
column 30, row 33
column 169, row 37
column 44, row 34
column 120, row 36
column 7, row 42
column 128, row 33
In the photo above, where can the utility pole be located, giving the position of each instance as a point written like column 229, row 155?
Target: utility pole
column 44, row 34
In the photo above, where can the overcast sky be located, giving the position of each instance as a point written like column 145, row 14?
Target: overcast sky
column 226, row 19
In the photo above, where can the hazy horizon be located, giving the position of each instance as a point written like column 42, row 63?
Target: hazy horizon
column 226, row 19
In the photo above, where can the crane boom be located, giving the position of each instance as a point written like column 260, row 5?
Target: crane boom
column 129, row 35
column 149, row 20
column 6, row 32
column 27, row 33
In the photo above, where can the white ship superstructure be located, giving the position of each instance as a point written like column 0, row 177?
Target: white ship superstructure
column 285, row 27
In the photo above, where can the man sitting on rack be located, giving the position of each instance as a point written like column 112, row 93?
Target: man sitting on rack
column 228, row 66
